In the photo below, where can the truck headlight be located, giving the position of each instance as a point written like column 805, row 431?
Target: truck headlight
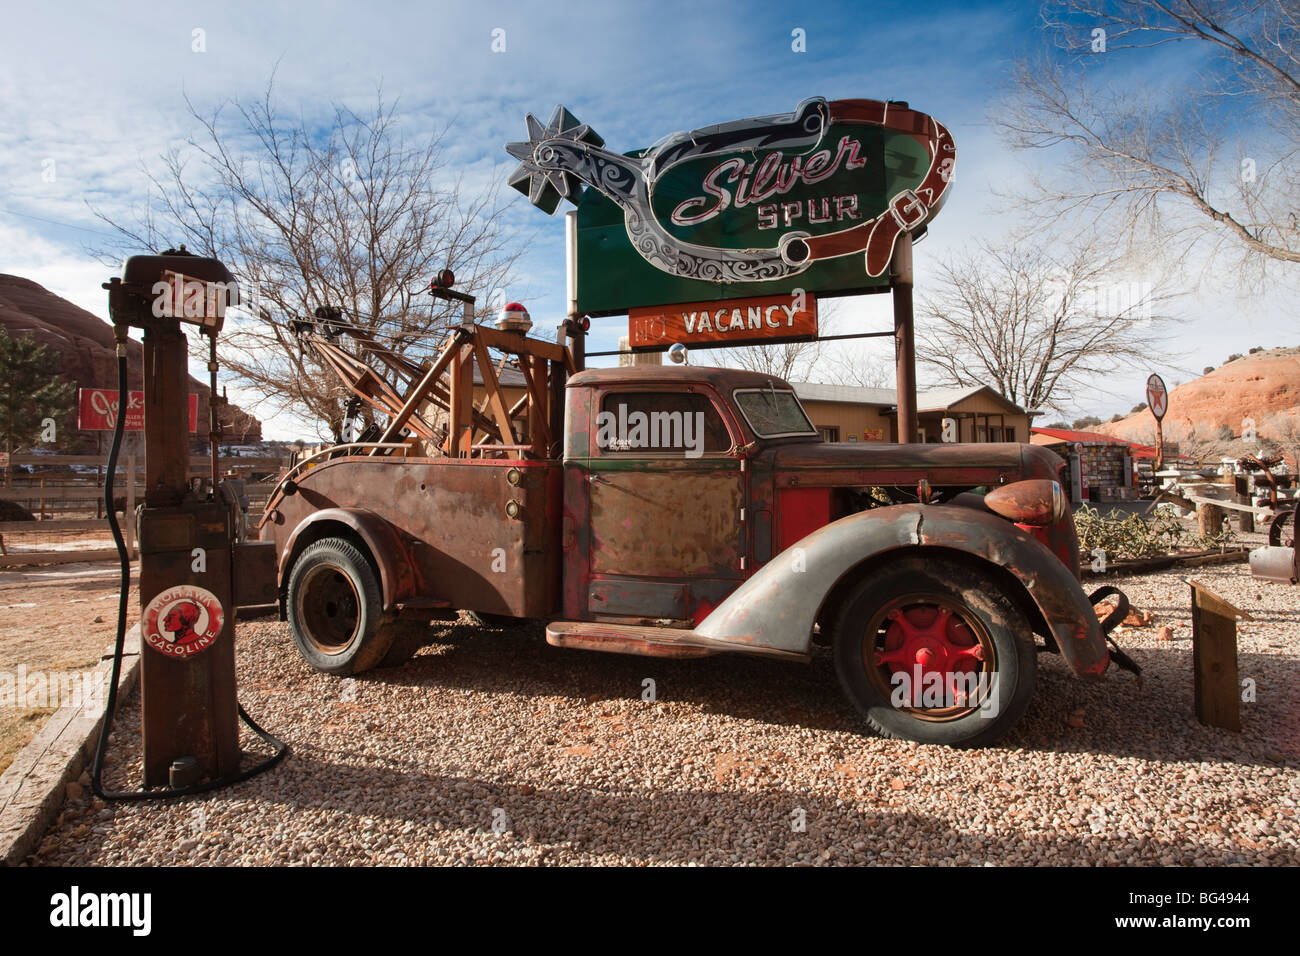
column 1036, row 501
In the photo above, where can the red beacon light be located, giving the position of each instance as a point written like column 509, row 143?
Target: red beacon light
column 443, row 280
column 514, row 318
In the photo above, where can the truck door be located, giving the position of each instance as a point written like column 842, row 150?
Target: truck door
column 667, row 498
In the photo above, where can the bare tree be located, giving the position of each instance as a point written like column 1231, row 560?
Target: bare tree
column 1213, row 161
column 1198, row 444
column 1284, row 435
column 792, row 361
column 853, row 364
column 1032, row 323
column 352, row 217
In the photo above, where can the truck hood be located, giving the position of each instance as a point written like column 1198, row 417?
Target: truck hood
column 888, row 456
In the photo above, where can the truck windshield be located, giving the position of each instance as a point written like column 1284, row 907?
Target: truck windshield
column 773, row 413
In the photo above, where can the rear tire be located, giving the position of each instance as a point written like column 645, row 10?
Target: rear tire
column 336, row 609
column 922, row 616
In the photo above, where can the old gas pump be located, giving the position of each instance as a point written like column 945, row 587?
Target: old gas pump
column 188, row 533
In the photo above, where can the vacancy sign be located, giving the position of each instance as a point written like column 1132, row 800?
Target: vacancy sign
column 767, row 319
column 97, row 410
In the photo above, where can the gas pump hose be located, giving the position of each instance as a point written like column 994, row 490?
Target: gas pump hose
column 97, row 767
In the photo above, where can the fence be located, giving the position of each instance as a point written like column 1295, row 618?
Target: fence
column 83, row 534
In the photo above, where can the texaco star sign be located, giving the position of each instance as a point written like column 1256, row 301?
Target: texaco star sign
column 1157, row 396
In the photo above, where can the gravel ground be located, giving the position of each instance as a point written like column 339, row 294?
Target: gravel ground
column 492, row 747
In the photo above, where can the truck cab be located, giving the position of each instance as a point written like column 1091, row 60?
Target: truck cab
column 681, row 482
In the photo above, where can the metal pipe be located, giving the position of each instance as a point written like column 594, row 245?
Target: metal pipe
column 726, row 345
column 571, row 263
column 577, row 339
column 214, row 421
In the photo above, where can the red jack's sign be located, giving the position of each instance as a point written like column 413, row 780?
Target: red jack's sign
column 97, row 410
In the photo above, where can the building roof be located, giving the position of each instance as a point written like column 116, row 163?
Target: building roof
column 1062, row 436
column 935, row 400
column 940, row 399
column 849, row 394
column 507, row 377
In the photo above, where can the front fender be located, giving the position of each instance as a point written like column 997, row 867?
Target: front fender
column 778, row 606
column 396, row 570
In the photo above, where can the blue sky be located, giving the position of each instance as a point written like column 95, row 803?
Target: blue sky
column 98, row 89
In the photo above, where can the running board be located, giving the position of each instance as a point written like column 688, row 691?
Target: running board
column 649, row 641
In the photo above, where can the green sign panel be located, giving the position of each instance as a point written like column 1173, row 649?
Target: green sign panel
column 814, row 200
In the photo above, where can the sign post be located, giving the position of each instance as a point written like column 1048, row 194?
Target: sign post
column 904, row 340
column 1158, row 402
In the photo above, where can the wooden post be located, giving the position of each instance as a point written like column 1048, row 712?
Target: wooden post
column 99, row 471
column 1243, row 488
column 1214, row 658
column 904, row 340
column 555, row 406
column 460, row 435
column 539, row 417
column 1209, row 519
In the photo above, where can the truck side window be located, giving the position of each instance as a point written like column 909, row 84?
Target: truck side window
column 684, row 423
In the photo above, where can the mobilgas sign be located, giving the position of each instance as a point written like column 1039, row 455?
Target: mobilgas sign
column 814, row 200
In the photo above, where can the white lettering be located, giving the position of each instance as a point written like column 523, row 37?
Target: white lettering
column 772, row 176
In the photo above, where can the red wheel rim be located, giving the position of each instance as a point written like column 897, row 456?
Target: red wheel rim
column 933, row 653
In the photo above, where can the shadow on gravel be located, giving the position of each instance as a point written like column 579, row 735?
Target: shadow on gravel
column 1154, row 722
column 343, row 769
column 519, row 660
column 653, row 826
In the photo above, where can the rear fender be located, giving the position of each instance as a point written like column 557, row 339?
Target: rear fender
column 384, row 543
column 777, row 607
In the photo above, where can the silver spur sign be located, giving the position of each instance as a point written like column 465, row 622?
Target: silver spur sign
column 814, row 199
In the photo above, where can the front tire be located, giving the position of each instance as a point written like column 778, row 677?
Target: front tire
column 931, row 650
column 335, row 609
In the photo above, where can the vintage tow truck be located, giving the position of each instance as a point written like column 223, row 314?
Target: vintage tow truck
column 681, row 511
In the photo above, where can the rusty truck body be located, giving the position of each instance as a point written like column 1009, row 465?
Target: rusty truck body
column 685, row 512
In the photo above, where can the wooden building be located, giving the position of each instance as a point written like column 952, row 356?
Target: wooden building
column 850, row 413
column 1101, row 466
